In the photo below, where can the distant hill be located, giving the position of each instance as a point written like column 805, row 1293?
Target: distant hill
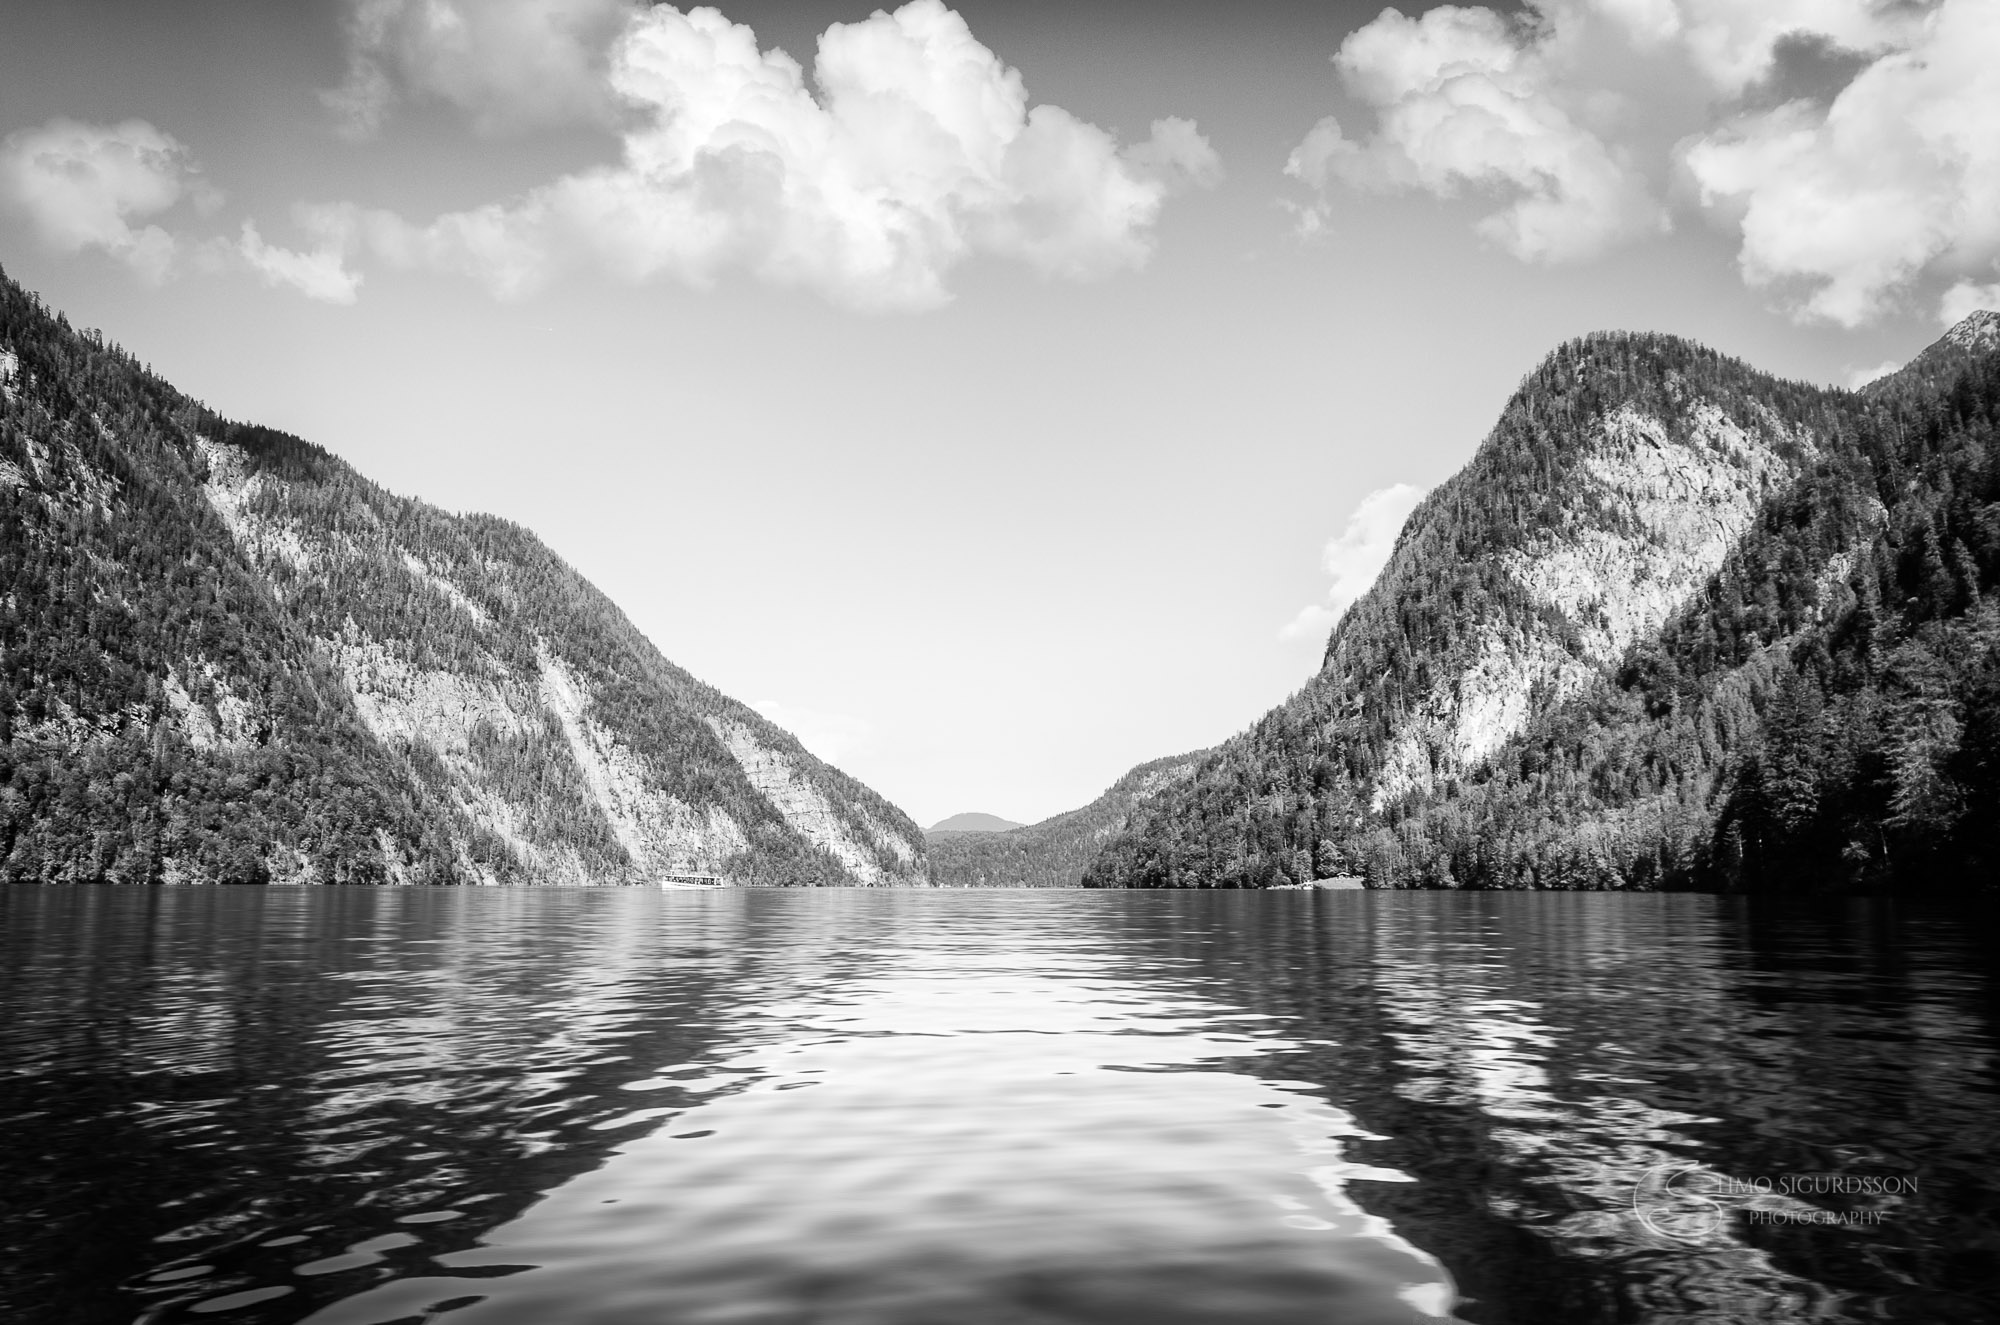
column 1054, row 852
column 1678, row 624
column 226, row 656
column 971, row 823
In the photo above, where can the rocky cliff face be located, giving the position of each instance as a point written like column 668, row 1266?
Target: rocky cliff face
column 1649, row 509
column 1564, row 671
column 227, row 655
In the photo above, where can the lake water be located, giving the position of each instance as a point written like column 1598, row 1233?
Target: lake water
column 355, row 1107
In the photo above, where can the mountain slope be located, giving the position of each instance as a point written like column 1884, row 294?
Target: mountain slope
column 1054, row 852
column 1566, row 673
column 226, row 655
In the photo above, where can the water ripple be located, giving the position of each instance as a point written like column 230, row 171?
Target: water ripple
column 348, row 1106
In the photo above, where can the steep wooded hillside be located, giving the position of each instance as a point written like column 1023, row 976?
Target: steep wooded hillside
column 1677, row 624
column 1054, row 852
column 224, row 655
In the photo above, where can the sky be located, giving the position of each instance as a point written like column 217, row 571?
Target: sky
column 996, row 396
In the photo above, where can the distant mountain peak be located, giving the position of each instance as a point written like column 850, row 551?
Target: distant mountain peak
column 1979, row 330
column 972, row 822
column 1055, row 852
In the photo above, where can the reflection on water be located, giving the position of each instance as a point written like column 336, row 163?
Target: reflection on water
column 869, row 1108
column 1657, row 1108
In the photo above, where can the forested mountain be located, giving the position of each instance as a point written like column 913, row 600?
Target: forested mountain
column 224, row 655
column 1677, row 624
column 1054, row 852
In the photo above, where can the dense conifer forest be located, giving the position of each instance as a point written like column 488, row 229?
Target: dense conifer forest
column 1055, row 852
column 225, row 656
column 1822, row 715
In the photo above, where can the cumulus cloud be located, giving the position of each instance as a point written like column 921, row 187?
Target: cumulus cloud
column 317, row 274
column 1735, row 44
column 831, row 736
column 1355, row 556
column 918, row 151
column 1898, row 175
column 506, row 64
column 1967, row 298
column 89, row 186
column 1468, row 100
column 1850, row 144
column 1860, row 377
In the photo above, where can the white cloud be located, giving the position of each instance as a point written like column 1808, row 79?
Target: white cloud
column 1853, row 145
column 84, row 186
column 1899, row 175
column 1355, row 556
column 1311, row 221
column 1465, row 99
column 1312, row 622
column 919, row 151
column 1860, row 377
column 831, row 736
column 507, row 64
column 320, row 274
column 1734, row 43
column 1966, row 298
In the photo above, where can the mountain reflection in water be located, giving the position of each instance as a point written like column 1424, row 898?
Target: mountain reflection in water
column 895, row 1108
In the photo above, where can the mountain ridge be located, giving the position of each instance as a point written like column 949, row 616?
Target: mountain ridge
column 227, row 655
column 1054, row 852
column 1637, row 489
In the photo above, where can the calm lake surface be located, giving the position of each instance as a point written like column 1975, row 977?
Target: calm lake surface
column 354, row 1107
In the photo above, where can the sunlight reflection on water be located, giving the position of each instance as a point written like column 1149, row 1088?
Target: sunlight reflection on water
column 990, row 1123
column 358, row 1107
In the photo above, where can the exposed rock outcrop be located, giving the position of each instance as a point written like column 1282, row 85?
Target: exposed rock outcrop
column 228, row 656
column 1565, row 674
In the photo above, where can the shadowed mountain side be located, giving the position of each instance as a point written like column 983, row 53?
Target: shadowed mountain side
column 1677, row 624
column 226, row 656
column 1054, row 852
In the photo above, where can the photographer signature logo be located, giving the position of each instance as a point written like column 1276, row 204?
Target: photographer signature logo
column 1690, row 1204
column 1677, row 1202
